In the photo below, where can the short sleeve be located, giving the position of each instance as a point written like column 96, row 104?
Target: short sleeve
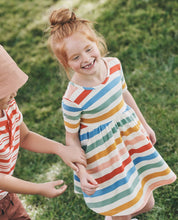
column 14, row 113
column 71, row 115
column 124, row 85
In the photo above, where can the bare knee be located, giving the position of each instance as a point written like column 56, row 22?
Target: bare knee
column 150, row 204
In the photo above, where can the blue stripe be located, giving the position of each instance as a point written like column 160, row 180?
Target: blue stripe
column 149, row 157
column 76, row 178
column 94, row 132
column 111, row 187
column 70, row 108
column 114, row 186
column 127, row 108
column 121, row 181
column 102, row 92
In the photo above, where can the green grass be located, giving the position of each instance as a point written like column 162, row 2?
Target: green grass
column 143, row 35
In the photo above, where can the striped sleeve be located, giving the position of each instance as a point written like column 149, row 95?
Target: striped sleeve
column 71, row 115
column 19, row 115
column 124, row 85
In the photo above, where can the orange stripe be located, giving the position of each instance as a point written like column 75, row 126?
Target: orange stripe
column 71, row 125
column 108, row 163
column 131, row 130
column 104, row 116
column 104, row 152
column 154, row 186
column 134, row 140
column 81, row 97
column 124, row 85
column 139, row 194
column 115, row 68
column 113, row 146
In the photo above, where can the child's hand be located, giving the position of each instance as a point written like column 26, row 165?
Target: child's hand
column 88, row 184
column 151, row 134
column 49, row 189
column 72, row 155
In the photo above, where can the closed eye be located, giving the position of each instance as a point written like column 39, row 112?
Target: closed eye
column 88, row 49
column 75, row 58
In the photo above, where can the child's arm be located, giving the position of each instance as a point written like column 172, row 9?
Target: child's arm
column 12, row 184
column 39, row 144
column 88, row 184
column 131, row 102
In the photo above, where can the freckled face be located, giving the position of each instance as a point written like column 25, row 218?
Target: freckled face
column 83, row 55
column 4, row 103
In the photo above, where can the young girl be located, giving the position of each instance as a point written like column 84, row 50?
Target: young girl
column 101, row 116
column 14, row 132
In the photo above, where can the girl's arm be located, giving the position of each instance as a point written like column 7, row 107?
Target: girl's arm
column 39, row 144
column 12, row 184
column 128, row 98
column 88, row 184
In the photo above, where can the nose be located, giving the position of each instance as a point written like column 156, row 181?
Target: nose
column 85, row 57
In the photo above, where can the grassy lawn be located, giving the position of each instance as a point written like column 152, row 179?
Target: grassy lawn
column 143, row 35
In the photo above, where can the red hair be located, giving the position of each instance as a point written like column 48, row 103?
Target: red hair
column 63, row 24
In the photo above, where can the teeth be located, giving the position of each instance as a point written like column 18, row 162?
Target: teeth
column 87, row 66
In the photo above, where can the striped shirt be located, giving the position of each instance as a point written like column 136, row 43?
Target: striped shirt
column 9, row 140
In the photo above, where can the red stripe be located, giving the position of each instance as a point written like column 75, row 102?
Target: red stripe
column 3, row 123
column 5, row 160
column 83, row 126
column 4, row 148
column 141, row 149
column 12, row 168
column 81, row 97
column 114, row 172
column 105, row 81
column 115, row 68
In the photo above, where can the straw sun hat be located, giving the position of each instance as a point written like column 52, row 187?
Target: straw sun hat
column 11, row 76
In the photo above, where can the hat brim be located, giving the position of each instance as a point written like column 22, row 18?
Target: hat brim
column 11, row 76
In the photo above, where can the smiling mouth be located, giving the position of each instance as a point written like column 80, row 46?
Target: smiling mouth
column 88, row 66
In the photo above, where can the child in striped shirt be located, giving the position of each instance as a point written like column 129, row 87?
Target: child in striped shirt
column 14, row 133
column 101, row 116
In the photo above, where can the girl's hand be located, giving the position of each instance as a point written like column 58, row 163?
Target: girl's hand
column 72, row 155
column 151, row 134
column 88, row 184
column 49, row 189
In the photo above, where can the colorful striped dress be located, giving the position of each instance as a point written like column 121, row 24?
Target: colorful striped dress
column 120, row 156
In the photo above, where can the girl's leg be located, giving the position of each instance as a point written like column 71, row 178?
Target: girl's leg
column 148, row 206
column 118, row 217
column 126, row 217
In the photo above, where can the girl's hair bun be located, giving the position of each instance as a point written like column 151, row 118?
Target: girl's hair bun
column 60, row 17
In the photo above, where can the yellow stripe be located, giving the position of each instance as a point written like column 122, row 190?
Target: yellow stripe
column 71, row 125
column 139, row 194
column 124, row 86
column 104, row 152
column 131, row 130
column 113, row 146
column 104, row 116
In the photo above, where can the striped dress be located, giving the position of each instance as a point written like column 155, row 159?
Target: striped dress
column 120, row 156
column 9, row 140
